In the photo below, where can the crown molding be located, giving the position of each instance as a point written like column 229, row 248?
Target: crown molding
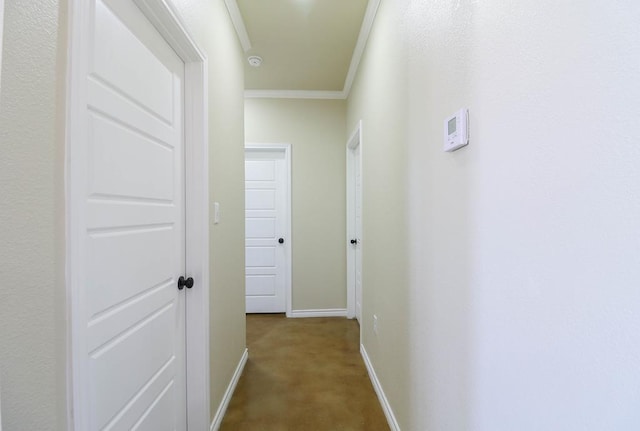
column 361, row 44
column 238, row 24
column 294, row 94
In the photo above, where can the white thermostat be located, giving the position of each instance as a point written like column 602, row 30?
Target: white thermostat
column 456, row 130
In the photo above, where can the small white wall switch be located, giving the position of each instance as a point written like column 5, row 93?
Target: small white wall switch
column 375, row 324
column 216, row 212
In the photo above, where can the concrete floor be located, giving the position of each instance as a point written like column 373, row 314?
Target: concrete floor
column 303, row 375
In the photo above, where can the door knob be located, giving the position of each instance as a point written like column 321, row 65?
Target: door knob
column 185, row 282
column 354, row 241
column 281, row 240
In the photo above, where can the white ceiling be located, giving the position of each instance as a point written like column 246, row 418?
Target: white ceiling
column 310, row 48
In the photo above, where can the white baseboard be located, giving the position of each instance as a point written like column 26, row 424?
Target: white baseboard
column 331, row 312
column 222, row 409
column 386, row 407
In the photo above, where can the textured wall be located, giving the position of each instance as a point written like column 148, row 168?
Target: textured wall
column 316, row 131
column 32, row 325
column 210, row 24
column 521, row 307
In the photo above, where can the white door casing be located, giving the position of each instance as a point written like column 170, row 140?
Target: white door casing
column 267, row 221
column 126, row 155
column 354, row 224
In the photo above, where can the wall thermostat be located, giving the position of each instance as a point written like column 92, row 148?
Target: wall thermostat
column 456, row 130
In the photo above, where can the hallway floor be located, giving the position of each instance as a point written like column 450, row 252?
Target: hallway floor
column 303, row 375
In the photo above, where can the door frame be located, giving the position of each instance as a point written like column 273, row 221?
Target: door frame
column 286, row 149
column 164, row 17
column 354, row 141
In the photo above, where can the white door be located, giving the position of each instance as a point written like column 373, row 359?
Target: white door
column 357, row 223
column 133, row 239
column 354, row 225
column 266, row 230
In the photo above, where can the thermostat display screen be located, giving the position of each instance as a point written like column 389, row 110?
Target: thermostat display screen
column 452, row 125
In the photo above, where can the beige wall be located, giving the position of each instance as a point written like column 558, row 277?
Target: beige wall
column 316, row 131
column 32, row 293
column 32, row 328
column 518, row 305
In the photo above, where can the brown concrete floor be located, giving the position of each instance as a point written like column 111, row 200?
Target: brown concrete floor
column 303, row 375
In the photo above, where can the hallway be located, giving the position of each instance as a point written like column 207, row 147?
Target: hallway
column 303, row 374
column 500, row 281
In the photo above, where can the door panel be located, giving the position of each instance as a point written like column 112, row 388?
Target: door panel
column 125, row 364
column 261, row 227
column 261, row 200
column 261, row 284
column 128, row 251
column 261, row 257
column 102, row 330
column 154, row 419
column 144, row 78
column 145, row 404
column 260, row 170
column 134, row 238
column 265, row 223
column 124, row 162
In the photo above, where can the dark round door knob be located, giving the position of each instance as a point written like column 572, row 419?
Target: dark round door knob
column 185, row 282
column 281, row 240
column 354, row 241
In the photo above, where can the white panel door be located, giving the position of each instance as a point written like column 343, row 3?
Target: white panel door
column 134, row 238
column 354, row 225
column 357, row 204
column 265, row 228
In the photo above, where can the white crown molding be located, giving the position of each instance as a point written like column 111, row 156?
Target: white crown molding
column 363, row 37
column 294, row 94
column 238, row 24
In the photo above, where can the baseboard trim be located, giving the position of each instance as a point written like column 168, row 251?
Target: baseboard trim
column 386, row 407
column 222, row 409
column 330, row 312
